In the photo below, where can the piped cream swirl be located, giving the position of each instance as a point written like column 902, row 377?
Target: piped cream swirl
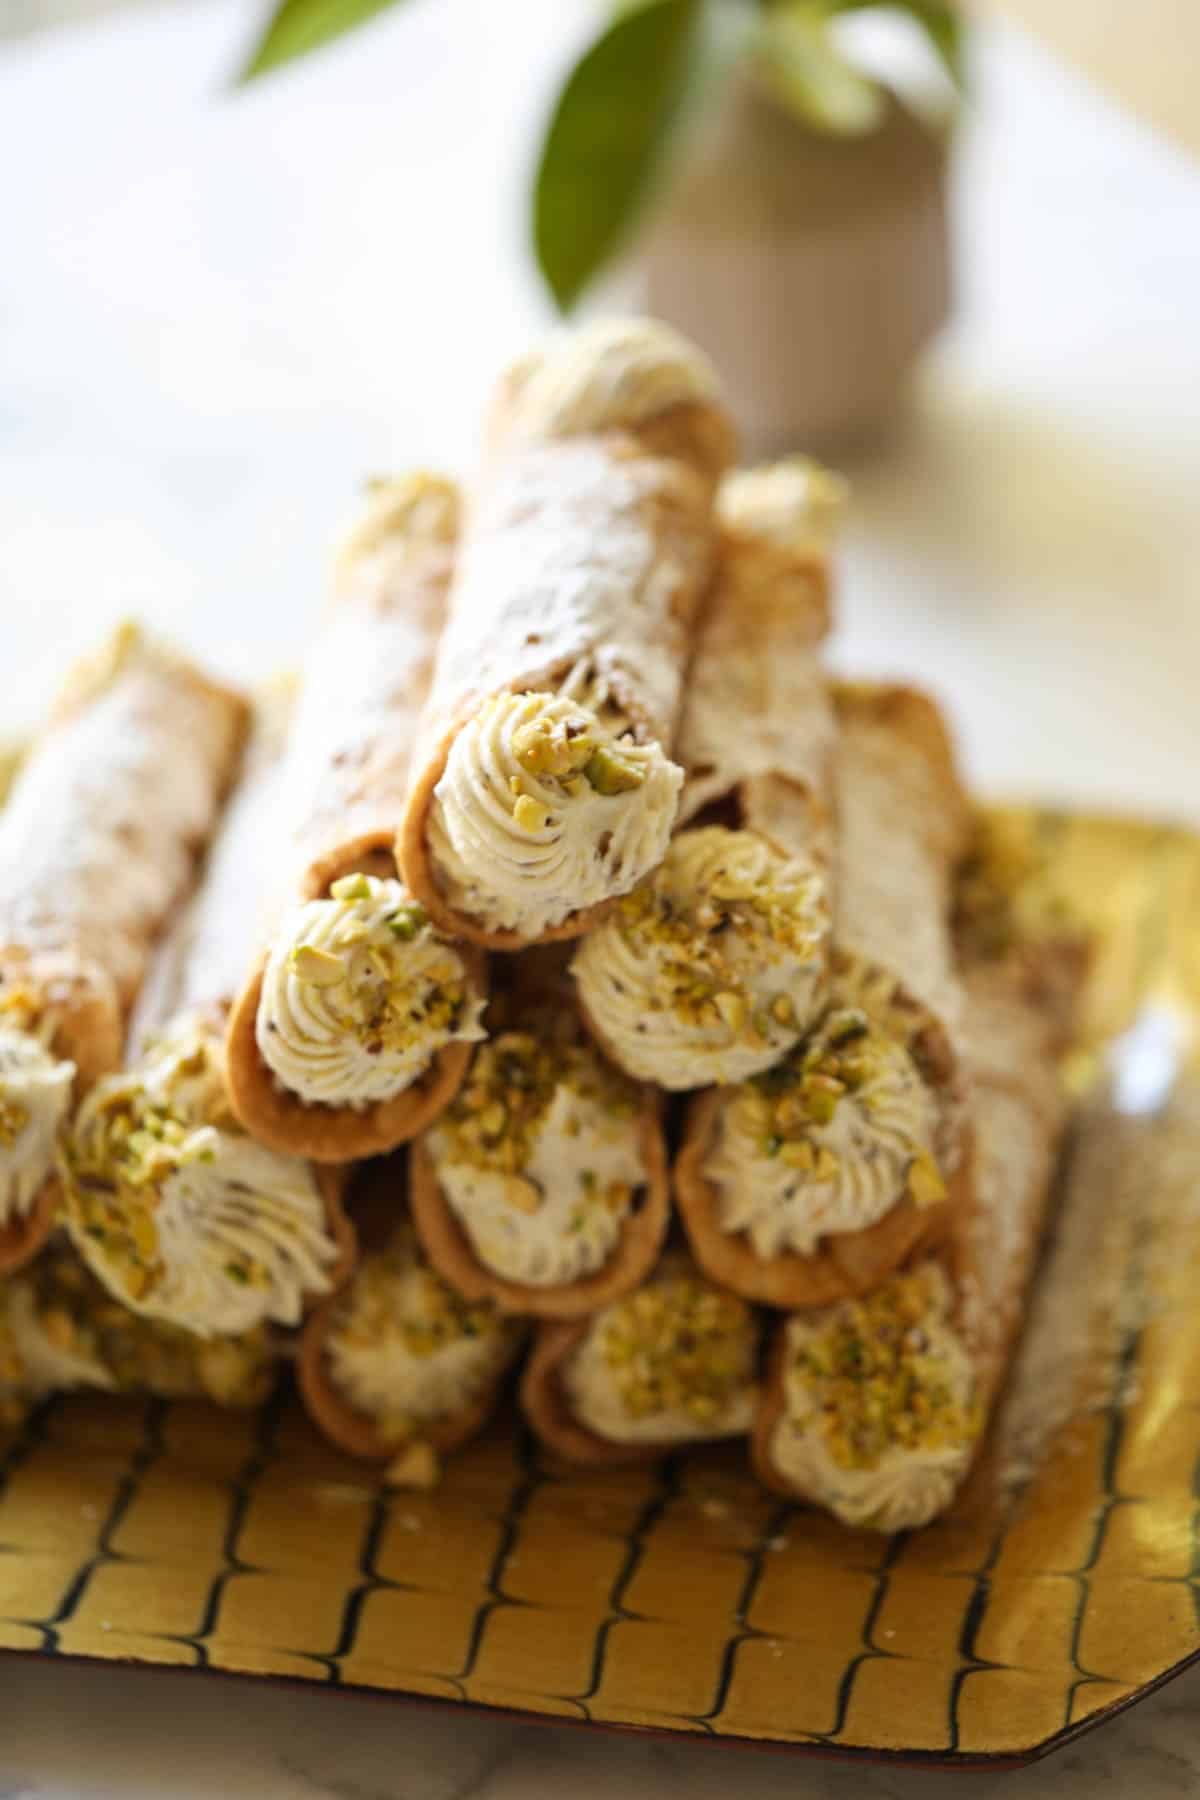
column 405, row 1348
column 35, row 1096
column 539, row 1158
column 39, row 1353
column 180, row 1215
column 359, row 995
column 545, row 808
column 673, row 1363
column 828, row 1141
column 879, row 1421
column 714, row 967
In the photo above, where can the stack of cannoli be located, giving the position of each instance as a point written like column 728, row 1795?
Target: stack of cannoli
column 696, row 1057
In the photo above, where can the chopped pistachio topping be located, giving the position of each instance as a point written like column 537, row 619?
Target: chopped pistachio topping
column 406, row 1349
column 14, row 1117
column 21, row 1005
column 826, row 1141
column 181, row 1214
column 540, row 1156
column 360, row 994
column 495, row 1118
column 548, row 805
column 35, row 1097
column 559, row 743
column 673, row 1361
column 710, row 969
column 846, row 1059
column 60, row 1329
column 877, row 1375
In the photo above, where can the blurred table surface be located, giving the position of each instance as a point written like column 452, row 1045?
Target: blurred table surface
column 218, row 311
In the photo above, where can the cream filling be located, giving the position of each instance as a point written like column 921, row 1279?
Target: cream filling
column 35, row 1096
column 359, row 995
column 712, row 971
column 598, row 1406
column 904, row 1488
column 560, row 1216
column 870, row 1145
column 406, row 1351
column 520, row 848
column 638, row 1376
column 185, row 1221
column 241, row 1239
column 34, row 1362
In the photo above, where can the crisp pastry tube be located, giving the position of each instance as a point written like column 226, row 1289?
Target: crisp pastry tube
column 61, row 1331
column 673, row 1364
column 817, row 1178
column 718, row 963
column 355, row 1025
column 757, row 734
column 97, row 846
column 399, row 1367
column 180, row 1213
column 544, row 783
column 543, row 1186
column 874, row 1407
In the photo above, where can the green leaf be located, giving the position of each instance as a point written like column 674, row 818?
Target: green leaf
column 298, row 26
column 802, row 67
column 607, row 136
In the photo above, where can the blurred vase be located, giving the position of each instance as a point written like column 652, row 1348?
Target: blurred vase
column 813, row 269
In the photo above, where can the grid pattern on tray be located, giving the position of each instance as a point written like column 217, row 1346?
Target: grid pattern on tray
column 680, row 1597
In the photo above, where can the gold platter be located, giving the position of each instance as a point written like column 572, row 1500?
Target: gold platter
column 683, row 1598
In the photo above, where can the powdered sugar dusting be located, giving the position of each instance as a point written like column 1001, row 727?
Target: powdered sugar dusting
column 758, row 709
column 895, row 863
column 367, row 676
column 1123, row 1253
column 202, row 960
column 575, row 555
column 97, row 840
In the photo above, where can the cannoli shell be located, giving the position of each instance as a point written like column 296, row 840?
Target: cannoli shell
column 989, row 1252
column 90, row 867
column 344, row 1425
column 544, row 1403
column 342, row 783
column 847, row 1264
column 758, row 732
column 449, row 1248
column 526, row 607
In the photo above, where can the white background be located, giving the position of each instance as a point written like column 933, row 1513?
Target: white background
column 218, row 311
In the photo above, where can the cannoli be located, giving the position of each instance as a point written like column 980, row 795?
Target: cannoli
column 60, row 1331
column 817, row 1178
column 874, row 1407
column 355, row 1025
column 544, row 783
column 398, row 1367
column 672, row 1364
column 182, row 1215
column 97, row 844
column 717, row 964
column 543, row 1186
